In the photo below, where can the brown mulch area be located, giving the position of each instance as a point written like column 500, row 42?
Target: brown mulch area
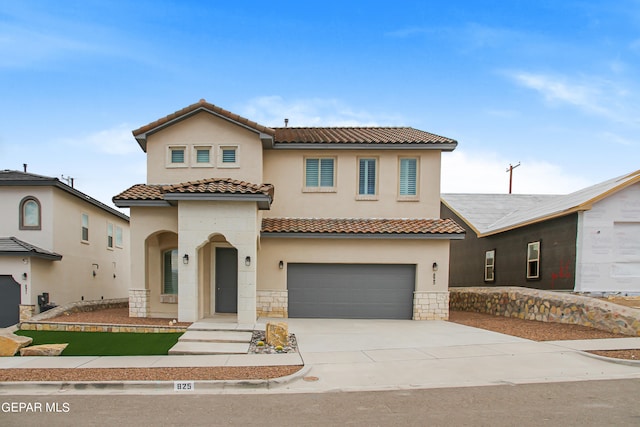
column 149, row 374
column 118, row 316
column 540, row 331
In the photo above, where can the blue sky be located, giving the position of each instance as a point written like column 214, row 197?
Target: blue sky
column 551, row 84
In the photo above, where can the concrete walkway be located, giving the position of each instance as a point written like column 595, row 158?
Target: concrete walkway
column 350, row 355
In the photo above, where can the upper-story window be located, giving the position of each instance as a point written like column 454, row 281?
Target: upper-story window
column 367, row 177
column 202, row 156
column 110, row 235
column 533, row 260
column 85, row 227
column 176, row 156
column 408, row 179
column 319, row 174
column 228, row 156
column 119, row 240
column 30, row 216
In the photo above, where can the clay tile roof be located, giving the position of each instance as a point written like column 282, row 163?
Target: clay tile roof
column 358, row 135
column 141, row 192
column 202, row 105
column 219, row 185
column 361, row 226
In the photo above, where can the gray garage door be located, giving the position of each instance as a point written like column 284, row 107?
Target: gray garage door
column 9, row 301
column 351, row 291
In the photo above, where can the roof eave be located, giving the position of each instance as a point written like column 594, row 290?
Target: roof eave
column 363, row 146
column 263, row 200
column 125, row 203
column 33, row 254
column 404, row 236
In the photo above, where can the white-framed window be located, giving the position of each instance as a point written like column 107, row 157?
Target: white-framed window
column 170, row 272
column 408, row 178
column 110, row 235
column 490, row 266
column 177, row 156
column 367, row 178
column 228, row 156
column 533, row 260
column 202, row 156
column 319, row 174
column 85, row 227
column 30, row 215
column 119, row 237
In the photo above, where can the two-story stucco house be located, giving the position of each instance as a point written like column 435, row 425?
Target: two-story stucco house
column 55, row 239
column 237, row 217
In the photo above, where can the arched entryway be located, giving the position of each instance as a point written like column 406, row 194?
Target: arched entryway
column 218, row 276
column 162, row 263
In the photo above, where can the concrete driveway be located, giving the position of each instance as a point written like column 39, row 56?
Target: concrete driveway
column 346, row 354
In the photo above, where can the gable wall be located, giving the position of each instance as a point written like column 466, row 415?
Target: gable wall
column 557, row 248
column 609, row 244
column 203, row 129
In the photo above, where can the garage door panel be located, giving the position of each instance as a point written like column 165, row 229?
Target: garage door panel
column 351, row 290
column 9, row 301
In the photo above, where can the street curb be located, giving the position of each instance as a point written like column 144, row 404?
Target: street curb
column 156, row 386
column 627, row 362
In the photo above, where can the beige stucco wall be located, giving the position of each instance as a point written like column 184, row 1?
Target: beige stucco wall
column 285, row 169
column 153, row 230
column 71, row 278
column 422, row 253
column 203, row 129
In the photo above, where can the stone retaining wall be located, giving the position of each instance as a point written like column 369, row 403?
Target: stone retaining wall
column 96, row 327
column 547, row 306
column 82, row 306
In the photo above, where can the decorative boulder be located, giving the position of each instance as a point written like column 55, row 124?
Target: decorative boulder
column 43, row 350
column 277, row 333
column 10, row 344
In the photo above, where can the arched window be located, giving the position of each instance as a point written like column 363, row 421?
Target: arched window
column 170, row 272
column 30, row 215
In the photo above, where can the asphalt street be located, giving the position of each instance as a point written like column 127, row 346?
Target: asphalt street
column 583, row 403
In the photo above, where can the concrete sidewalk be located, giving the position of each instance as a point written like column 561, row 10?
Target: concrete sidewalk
column 350, row 355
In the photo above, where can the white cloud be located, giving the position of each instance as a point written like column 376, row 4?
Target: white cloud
column 472, row 172
column 272, row 110
column 117, row 141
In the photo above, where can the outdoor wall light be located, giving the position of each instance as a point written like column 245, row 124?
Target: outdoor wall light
column 247, row 261
column 435, row 266
column 185, row 259
column 95, row 267
column 24, row 276
column 281, row 265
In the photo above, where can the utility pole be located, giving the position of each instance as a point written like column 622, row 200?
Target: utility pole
column 510, row 170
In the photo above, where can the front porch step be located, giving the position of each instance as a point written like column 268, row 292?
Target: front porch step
column 200, row 347
column 216, row 336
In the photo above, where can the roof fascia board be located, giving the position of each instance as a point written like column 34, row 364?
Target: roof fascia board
column 264, row 201
column 130, row 203
column 56, row 183
column 409, row 236
column 142, row 138
column 33, row 254
column 534, row 221
column 361, row 146
column 471, row 226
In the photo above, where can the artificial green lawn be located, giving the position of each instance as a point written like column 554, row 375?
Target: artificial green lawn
column 106, row 343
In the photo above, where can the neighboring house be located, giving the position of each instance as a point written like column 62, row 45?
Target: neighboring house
column 237, row 217
column 55, row 239
column 587, row 241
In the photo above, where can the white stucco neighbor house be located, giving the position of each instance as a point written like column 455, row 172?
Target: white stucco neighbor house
column 58, row 241
column 237, row 217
